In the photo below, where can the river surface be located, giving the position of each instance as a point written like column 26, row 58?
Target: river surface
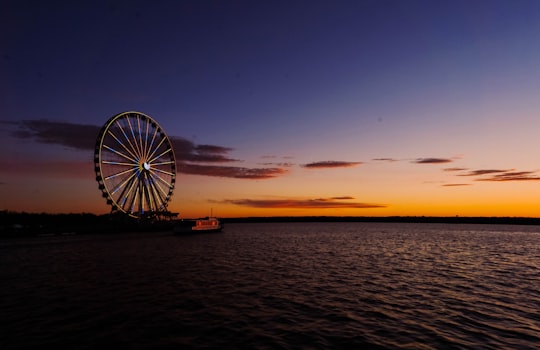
column 276, row 286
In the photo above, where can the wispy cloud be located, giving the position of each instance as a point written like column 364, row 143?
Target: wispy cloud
column 432, row 160
column 273, row 160
column 330, row 164
column 390, row 160
column 500, row 175
column 455, row 185
column 480, row 172
column 230, row 171
column 455, row 169
column 318, row 203
column 513, row 176
column 282, row 164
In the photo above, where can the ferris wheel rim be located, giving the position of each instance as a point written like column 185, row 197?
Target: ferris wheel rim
column 135, row 164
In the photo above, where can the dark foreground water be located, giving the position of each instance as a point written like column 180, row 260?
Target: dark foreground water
column 316, row 285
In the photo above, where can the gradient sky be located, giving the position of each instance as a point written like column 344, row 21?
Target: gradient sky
column 368, row 108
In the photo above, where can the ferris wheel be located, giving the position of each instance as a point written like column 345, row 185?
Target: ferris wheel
column 135, row 165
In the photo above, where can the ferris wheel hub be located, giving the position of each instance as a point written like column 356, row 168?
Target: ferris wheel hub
column 146, row 166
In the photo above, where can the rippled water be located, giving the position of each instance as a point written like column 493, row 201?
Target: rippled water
column 316, row 285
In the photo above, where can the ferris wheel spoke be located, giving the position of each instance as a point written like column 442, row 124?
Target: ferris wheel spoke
column 155, row 175
column 142, row 191
column 152, row 194
column 117, row 163
column 133, row 135
column 127, row 191
column 160, row 201
column 132, row 170
column 151, row 156
column 162, row 163
column 163, row 171
column 142, row 196
column 140, row 138
column 124, row 184
column 146, row 139
column 150, row 204
column 134, row 196
column 168, row 150
column 159, row 193
column 131, row 194
column 122, row 144
column 157, row 187
column 163, row 181
column 133, row 148
column 145, row 202
column 120, row 153
column 147, row 153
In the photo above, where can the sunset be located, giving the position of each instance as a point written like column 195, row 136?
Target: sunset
column 268, row 174
column 393, row 108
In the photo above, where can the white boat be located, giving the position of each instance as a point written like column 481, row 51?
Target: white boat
column 210, row 224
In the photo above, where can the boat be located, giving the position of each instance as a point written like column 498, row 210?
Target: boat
column 209, row 224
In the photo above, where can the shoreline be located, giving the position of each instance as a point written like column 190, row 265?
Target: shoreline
column 16, row 224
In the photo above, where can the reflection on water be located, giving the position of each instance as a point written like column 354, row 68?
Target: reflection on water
column 318, row 285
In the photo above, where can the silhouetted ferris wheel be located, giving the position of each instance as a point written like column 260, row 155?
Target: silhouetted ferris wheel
column 135, row 165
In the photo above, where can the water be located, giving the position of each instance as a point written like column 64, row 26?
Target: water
column 316, row 285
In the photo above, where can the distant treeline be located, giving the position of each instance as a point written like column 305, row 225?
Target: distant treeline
column 29, row 224
column 22, row 223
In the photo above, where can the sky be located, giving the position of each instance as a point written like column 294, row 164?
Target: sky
column 334, row 108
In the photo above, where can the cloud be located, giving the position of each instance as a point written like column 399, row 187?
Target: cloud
column 386, row 160
column 318, row 203
column 283, row 164
column 432, row 160
column 501, row 175
column 83, row 137
column 455, row 169
column 186, row 150
column 189, row 156
column 513, row 176
column 484, row 172
column 76, row 136
column 455, row 185
column 272, row 160
column 331, row 164
column 229, row 171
